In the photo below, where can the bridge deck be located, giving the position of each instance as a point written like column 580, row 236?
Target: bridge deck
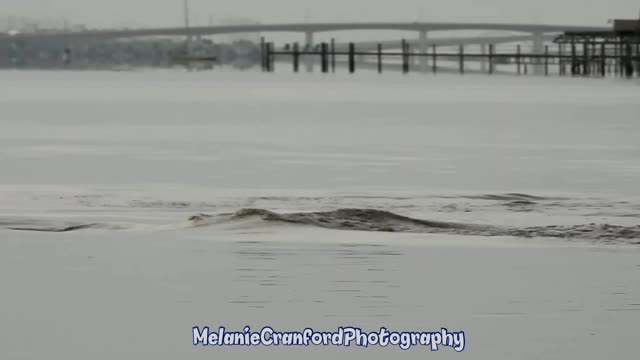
column 302, row 28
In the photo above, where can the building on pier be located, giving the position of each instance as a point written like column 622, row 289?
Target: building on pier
column 601, row 52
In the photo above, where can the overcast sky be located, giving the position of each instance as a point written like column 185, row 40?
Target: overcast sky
column 109, row 13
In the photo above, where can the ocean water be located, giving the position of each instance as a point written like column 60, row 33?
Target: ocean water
column 118, row 149
column 135, row 205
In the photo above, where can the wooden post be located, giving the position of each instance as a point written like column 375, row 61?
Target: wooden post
column 608, row 61
column 637, row 59
column 324, row 57
column 608, row 58
column 617, row 60
column 491, row 51
column 272, row 57
column 352, row 58
column 614, row 59
column 621, row 55
column 561, row 63
column 296, row 57
column 404, row 56
column 585, row 58
column 629, row 60
column 408, row 59
column 267, row 62
column 333, row 55
column 574, row 60
column 435, row 57
column 622, row 58
column 263, row 53
column 594, row 57
column 461, row 52
column 546, row 60
column 379, row 58
column 519, row 59
column 603, row 60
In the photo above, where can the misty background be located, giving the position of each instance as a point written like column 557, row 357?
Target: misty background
column 151, row 13
column 242, row 49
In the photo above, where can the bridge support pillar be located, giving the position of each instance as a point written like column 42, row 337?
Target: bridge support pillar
column 538, row 49
column 309, row 46
column 422, row 48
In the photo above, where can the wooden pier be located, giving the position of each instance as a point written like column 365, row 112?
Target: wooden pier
column 573, row 54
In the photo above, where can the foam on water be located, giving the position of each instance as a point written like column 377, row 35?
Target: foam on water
column 354, row 219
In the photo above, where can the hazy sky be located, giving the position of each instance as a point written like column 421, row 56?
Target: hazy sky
column 108, row 13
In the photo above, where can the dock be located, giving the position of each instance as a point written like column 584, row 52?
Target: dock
column 614, row 53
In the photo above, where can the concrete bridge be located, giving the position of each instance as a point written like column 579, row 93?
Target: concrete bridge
column 307, row 28
column 448, row 41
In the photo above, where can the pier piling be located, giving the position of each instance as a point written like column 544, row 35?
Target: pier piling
column 272, row 57
column 324, row 51
column 296, row 57
column 379, row 58
column 519, row 59
column 405, row 57
column 617, row 65
column 546, row 60
column 603, row 60
column 352, row 58
column 263, row 53
column 461, row 53
column 574, row 60
column 598, row 57
column 585, row 59
column 435, row 57
column 561, row 63
column 267, row 57
column 638, row 60
column 333, row 55
column 629, row 60
column 491, row 52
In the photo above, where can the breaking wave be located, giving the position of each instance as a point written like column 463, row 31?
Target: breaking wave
column 366, row 220
column 378, row 220
column 342, row 219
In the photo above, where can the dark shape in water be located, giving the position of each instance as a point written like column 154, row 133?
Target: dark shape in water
column 58, row 230
column 384, row 221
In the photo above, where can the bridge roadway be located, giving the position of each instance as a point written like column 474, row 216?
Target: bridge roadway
column 307, row 28
column 452, row 41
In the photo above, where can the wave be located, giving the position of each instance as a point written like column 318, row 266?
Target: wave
column 353, row 219
column 508, row 197
column 384, row 221
column 57, row 229
column 43, row 226
column 370, row 220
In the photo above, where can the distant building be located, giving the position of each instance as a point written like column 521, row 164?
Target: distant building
column 626, row 27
